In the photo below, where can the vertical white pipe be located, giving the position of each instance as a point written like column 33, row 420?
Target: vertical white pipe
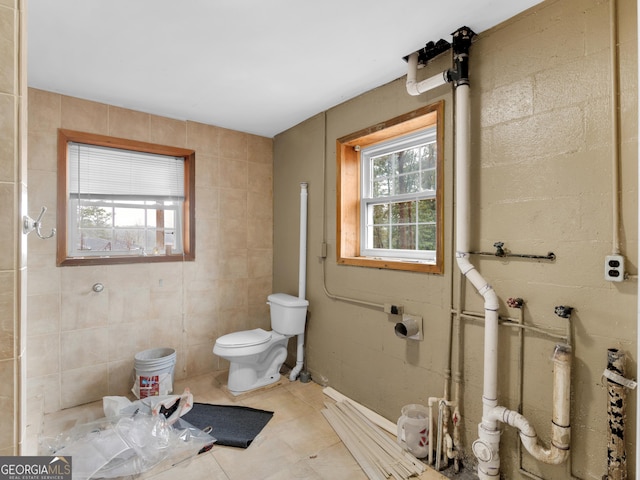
column 302, row 276
column 303, row 241
column 486, row 447
column 463, row 216
column 615, row 147
column 462, row 153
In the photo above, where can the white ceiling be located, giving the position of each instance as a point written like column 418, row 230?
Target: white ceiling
column 257, row 66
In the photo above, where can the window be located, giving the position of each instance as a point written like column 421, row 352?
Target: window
column 390, row 194
column 122, row 201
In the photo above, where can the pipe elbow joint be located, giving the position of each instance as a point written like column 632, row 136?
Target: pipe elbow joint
column 558, row 451
column 491, row 300
column 412, row 88
column 551, row 456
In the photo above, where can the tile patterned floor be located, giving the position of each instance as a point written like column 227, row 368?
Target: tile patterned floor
column 297, row 443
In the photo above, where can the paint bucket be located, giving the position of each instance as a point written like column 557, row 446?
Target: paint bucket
column 154, row 372
column 413, row 430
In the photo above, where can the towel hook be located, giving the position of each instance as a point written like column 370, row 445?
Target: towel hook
column 29, row 225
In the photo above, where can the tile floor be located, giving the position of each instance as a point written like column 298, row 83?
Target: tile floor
column 297, row 443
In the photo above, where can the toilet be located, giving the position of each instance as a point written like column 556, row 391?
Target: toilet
column 256, row 356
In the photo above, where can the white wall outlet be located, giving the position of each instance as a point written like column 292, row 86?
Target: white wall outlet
column 614, row 268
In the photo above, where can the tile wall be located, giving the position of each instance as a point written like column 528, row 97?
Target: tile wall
column 13, row 187
column 81, row 344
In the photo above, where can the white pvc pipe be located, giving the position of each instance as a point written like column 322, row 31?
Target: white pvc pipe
column 302, row 276
column 486, row 447
column 379, row 420
column 416, row 88
column 615, row 130
column 558, row 450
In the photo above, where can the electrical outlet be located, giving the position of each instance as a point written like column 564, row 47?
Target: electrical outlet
column 614, row 268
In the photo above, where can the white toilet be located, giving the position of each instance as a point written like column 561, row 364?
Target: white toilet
column 256, row 356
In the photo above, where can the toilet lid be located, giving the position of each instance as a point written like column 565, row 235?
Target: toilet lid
column 244, row 338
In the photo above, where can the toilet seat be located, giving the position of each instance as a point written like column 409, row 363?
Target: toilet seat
column 246, row 343
column 244, row 338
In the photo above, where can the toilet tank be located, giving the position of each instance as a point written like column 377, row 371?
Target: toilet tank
column 288, row 313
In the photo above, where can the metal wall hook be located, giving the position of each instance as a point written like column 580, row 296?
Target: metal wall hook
column 29, row 225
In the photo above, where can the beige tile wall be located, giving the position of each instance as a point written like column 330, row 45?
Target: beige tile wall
column 82, row 343
column 13, row 187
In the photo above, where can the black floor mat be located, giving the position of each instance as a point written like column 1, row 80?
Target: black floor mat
column 233, row 425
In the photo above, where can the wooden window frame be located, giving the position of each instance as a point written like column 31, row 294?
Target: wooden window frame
column 189, row 230
column 349, row 188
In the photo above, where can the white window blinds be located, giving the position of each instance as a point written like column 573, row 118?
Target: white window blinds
column 107, row 172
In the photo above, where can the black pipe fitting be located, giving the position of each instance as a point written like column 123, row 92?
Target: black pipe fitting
column 430, row 50
column 563, row 311
column 499, row 250
column 462, row 38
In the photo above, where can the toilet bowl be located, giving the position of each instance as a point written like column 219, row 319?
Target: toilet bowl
column 256, row 356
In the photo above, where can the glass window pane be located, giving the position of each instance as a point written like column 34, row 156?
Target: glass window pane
column 381, row 188
column 429, row 180
column 381, row 214
column 380, row 237
column 427, row 237
column 381, row 166
column 169, row 219
column 403, row 237
column 128, row 217
column 427, row 211
column 409, row 183
column 94, row 216
column 150, row 240
column 428, row 156
column 89, row 241
column 409, row 161
column 129, row 239
column 403, row 212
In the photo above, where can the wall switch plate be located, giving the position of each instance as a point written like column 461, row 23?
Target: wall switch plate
column 614, row 268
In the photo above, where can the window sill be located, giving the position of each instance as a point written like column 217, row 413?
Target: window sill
column 118, row 260
column 407, row 265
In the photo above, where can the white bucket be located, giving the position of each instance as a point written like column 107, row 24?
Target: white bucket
column 154, row 372
column 413, row 430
